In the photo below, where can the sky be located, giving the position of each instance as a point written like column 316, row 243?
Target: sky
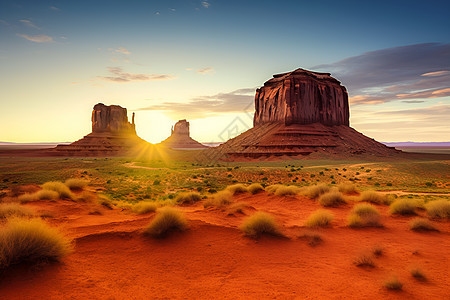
column 202, row 61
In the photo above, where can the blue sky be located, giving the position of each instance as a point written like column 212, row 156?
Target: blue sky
column 202, row 60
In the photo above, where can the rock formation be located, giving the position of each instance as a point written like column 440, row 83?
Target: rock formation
column 297, row 114
column 111, row 134
column 180, row 137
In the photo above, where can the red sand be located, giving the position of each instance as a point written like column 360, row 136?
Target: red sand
column 113, row 260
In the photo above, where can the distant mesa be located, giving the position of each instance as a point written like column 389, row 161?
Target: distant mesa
column 111, row 134
column 299, row 113
column 180, row 137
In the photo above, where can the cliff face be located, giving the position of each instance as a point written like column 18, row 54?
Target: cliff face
column 112, row 118
column 180, row 137
column 181, row 128
column 302, row 97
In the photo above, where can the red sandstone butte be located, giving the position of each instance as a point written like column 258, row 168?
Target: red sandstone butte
column 180, row 137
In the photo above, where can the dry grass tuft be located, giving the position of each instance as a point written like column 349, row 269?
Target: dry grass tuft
column 237, row 189
column 144, row 207
column 76, row 183
column 404, row 207
column 255, row 188
column 31, row 240
column 347, row 188
column 220, row 199
column 438, row 209
column 271, row 189
column 317, row 190
column 284, row 190
column 25, row 198
column 364, row 260
column 373, row 197
column 260, row 223
column 237, row 207
column 320, row 218
column 377, row 250
column 418, row 274
column 102, row 200
column 393, row 284
column 188, row 197
column 8, row 210
column 364, row 215
column 47, row 195
column 167, row 219
column 421, row 224
column 313, row 239
column 60, row 188
column 332, row 198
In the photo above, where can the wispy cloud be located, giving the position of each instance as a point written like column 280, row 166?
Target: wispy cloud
column 123, row 51
column 40, row 38
column 54, row 8
column 29, row 24
column 206, row 4
column 207, row 70
column 202, row 106
column 120, row 76
column 414, row 72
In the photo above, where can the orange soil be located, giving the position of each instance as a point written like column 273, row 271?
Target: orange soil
column 113, row 260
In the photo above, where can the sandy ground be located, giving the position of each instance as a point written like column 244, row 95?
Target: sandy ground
column 212, row 259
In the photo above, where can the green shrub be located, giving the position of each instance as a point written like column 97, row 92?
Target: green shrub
column 236, row 189
column 331, row 199
column 373, row 197
column 364, row 215
column 403, row 207
column 347, row 188
column 421, row 224
column 260, row 223
column 255, row 188
column 31, row 241
column 144, row 207
column 166, row 219
column 219, row 199
column 438, row 209
column 320, row 217
column 76, row 183
column 188, row 197
column 60, row 188
column 8, row 210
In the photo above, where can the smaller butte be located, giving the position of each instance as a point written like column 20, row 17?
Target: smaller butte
column 180, row 138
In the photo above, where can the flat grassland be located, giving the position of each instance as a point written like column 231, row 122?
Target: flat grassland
column 213, row 258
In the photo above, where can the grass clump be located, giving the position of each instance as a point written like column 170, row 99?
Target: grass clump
column 237, row 207
column 144, row 207
column 102, row 200
column 237, row 188
column 284, row 190
column 421, row 224
column 317, row 190
column 76, row 183
column 167, row 219
column 364, row 260
column 364, row 215
column 320, row 218
column 8, row 210
column 418, row 274
column 220, row 199
column 393, row 284
column 438, row 209
column 313, row 238
column 373, row 197
column 255, row 188
column 347, row 188
column 403, row 207
column 260, row 223
column 60, row 188
column 47, row 195
column 331, row 199
column 31, row 240
column 188, row 197
column 25, row 198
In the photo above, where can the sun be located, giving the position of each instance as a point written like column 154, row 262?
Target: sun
column 153, row 126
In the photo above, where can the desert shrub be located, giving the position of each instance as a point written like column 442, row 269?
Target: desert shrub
column 347, row 188
column 364, row 260
column 236, row 188
column 418, row 274
column 260, row 223
column 8, row 210
column 373, row 197
column 284, row 190
column 255, row 188
column 403, row 207
column 188, row 197
column 438, row 209
column 144, row 207
column 59, row 187
column 393, row 284
column 364, row 215
column 377, row 250
column 237, row 207
column 313, row 238
column 86, row 196
column 25, row 198
column 331, row 199
column 76, row 183
column 47, row 195
column 31, row 240
column 320, row 217
column 166, row 220
column 421, row 224
column 317, row 190
column 219, row 199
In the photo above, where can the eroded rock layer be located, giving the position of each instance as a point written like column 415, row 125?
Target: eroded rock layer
column 180, row 137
